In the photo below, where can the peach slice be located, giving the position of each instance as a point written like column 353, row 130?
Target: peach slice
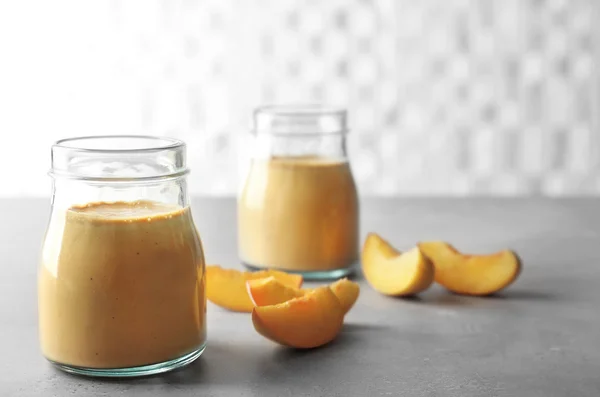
column 394, row 273
column 305, row 322
column 269, row 291
column 347, row 293
column 471, row 274
column 227, row 287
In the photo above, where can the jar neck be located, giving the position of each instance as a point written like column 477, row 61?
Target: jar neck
column 118, row 158
column 119, row 168
column 300, row 131
column 332, row 145
column 67, row 192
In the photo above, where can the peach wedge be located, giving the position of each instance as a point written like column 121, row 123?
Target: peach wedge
column 394, row 273
column 269, row 291
column 306, row 322
column 471, row 274
column 347, row 293
column 227, row 287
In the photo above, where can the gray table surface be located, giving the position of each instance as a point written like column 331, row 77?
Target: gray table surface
column 541, row 337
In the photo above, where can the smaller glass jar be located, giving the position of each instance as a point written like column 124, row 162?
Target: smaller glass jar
column 121, row 283
column 298, row 210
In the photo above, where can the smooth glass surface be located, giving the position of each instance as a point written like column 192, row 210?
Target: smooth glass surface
column 145, row 370
column 314, row 275
column 121, row 282
column 298, row 207
column 300, row 120
column 128, row 158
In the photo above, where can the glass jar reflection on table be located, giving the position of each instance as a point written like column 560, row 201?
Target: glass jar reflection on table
column 121, row 283
column 298, row 210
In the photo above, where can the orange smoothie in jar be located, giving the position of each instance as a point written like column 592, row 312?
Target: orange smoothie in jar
column 121, row 285
column 299, row 214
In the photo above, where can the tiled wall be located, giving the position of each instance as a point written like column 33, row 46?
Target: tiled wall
column 445, row 96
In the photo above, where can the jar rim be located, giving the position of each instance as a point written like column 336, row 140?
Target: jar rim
column 306, row 110
column 170, row 143
column 118, row 158
column 300, row 120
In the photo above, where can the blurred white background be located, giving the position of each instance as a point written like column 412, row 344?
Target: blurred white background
column 446, row 97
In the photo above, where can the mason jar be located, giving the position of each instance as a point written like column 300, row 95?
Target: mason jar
column 121, row 283
column 298, row 209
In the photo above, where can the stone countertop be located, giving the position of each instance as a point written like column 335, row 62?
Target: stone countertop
column 540, row 337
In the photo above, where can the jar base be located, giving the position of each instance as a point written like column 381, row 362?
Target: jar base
column 314, row 275
column 144, row 370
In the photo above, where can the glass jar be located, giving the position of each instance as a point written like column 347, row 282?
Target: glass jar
column 298, row 208
column 121, row 284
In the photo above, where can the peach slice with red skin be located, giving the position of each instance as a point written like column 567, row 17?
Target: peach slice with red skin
column 392, row 272
column 306, row 322
column 472, row 274
column 227, row 287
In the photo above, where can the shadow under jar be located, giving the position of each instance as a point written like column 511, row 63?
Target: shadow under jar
column 121, row 284
column 298, row 209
